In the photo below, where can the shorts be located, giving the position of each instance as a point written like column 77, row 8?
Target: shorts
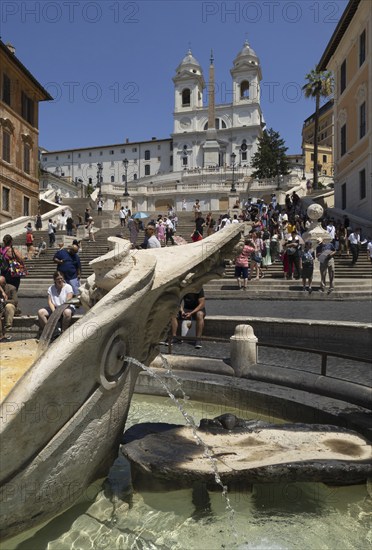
column 241, row 271
column 47, row 308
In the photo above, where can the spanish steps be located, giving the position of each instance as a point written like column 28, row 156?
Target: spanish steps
column 351, row 283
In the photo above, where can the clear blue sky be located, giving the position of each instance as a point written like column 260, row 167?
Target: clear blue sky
column 109, row 64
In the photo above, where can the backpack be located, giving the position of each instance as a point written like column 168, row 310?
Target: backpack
column 307, row 259
column 264, row 250
column 291, row 251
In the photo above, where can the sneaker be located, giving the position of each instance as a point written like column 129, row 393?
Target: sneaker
column 321, row 289
column 6, row 338
column 198, row 344
column 304, row 289
column 330, row 290
column 310, row 290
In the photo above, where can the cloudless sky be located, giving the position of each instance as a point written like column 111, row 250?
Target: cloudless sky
column 109, row 64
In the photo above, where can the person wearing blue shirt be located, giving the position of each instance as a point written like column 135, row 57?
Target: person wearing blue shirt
column 69, row 265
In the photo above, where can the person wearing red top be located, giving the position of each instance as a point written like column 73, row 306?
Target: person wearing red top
column 242, row 264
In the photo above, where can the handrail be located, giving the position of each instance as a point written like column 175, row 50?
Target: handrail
column 323, row 353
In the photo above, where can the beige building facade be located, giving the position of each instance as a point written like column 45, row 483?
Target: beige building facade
column 348, row 56
column 20, row 94
column 325, row 141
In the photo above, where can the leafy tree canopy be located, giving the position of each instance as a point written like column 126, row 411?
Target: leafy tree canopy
column 270, row 159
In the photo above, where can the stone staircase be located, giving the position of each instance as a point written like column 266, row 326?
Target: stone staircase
column 351, row 283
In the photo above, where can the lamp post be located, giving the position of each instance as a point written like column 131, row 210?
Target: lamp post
column 126, row 162
column 232, row 158
column 303, row 170
column 99, row 178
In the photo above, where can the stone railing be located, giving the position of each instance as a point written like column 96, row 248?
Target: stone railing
column 17, row 227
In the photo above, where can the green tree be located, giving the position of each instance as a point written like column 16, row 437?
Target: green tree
column 270, row 159
column 319, row 85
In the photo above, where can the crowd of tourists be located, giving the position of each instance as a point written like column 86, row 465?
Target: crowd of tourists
column 277, row 234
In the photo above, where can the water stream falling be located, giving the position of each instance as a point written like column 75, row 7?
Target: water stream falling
column 190, row 422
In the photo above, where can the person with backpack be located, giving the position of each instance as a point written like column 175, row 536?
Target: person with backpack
column 9, row 255
column 29, row 241
column 242, row 264
column 307, row 266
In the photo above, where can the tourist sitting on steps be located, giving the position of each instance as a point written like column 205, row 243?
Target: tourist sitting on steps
column 8, row 306
column 41, row 248
column 192, row 308
column 58, row 294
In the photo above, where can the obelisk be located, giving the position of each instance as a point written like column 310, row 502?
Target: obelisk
column 211, row 147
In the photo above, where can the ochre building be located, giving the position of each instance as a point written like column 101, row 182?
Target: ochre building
column 20, row 95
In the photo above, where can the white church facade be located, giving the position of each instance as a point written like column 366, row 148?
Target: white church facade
column 238, row 124
column 210, row 144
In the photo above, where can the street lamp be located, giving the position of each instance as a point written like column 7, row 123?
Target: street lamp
column 232, row 158
column 126, row 162
column 99, row 178
column 277, row 173
column 303, row 170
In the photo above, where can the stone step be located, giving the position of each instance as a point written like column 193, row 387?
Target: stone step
column 286, row 295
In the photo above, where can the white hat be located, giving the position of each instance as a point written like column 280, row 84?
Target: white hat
column 285, row 218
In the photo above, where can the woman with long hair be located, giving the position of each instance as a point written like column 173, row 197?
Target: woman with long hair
column 8, row 252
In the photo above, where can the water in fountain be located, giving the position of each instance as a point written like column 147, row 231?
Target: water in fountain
column 289, row 516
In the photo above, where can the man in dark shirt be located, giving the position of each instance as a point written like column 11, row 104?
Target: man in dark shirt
column 192, row 308
column 69, row 265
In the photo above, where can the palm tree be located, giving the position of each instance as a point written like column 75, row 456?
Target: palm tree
column 319, row 85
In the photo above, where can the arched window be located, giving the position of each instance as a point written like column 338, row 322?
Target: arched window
column 219, row 124
column 134, row 176
column 112, row 179
column 147, row 169
column 244, row 89
column 186, row 95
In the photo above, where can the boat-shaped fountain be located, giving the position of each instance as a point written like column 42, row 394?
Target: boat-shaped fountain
column 62, row 422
